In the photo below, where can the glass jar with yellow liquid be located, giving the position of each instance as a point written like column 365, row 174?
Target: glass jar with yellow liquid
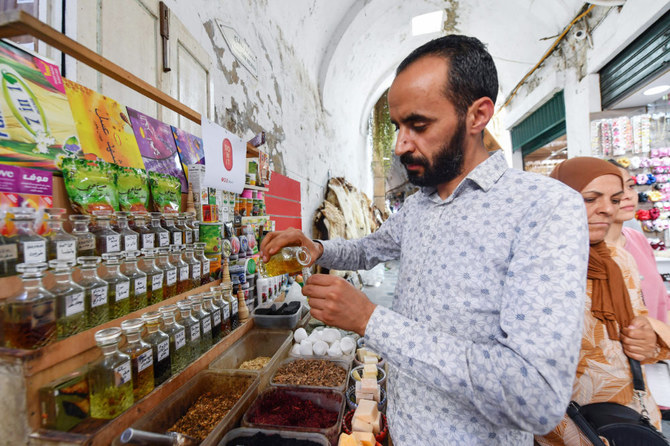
column 289, row 260
column 141, row 357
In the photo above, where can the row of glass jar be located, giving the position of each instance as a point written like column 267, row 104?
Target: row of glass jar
column 106, row 233
column 37, row 316
column 189, row 328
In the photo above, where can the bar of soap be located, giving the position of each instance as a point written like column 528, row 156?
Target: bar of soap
column 376, row 423
column 369, row 385
column 370, row 359
column 362, row 353
column 363, row 396
column 358, row 425
column 366, row 411
column 370, row 371
column 365, row 438
column 347, row 440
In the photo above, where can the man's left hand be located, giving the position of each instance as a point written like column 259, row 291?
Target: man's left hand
column 639, row 339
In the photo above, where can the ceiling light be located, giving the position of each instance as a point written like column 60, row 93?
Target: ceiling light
column 427, row 23
column 656, row 90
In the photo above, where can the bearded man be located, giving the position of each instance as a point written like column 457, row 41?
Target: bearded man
column 483, row 336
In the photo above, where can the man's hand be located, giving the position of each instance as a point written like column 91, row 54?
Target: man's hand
column 338, row 303
column 275, row 241
column 639, row 339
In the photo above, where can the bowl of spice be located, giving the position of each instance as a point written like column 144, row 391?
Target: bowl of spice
column 312, row 374
column 244, row 436
column 302, row 410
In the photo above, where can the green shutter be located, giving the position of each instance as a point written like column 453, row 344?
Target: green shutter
column 543, row 126
column 644, row 59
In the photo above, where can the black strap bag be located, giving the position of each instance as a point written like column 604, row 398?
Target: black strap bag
column 620, row 425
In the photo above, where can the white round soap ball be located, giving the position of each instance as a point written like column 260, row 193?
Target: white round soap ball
column 320, row 348
column 295, row 350
column 300, row 335
column 335, row 349
column 315, row 336
column 331, row 335
column 306, row 348
column 347, row 345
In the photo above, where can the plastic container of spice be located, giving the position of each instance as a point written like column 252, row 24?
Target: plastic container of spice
column 234, row 437
column 344, row 365
column 166, row 414
column 329, row 400
column 272, row 343
column 289, row 321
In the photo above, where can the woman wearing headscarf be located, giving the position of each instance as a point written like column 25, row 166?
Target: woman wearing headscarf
column 615, row 323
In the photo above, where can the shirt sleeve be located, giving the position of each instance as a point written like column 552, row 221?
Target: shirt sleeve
column 524, row 376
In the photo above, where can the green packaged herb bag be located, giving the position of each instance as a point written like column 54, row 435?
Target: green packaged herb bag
column 165, row 192
column 88, row 185
column 132, row 187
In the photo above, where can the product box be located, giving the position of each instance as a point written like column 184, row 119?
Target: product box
column 35, row 188
column 196, row 177
column 212, row 195
column 64, row 402
column 9, row 186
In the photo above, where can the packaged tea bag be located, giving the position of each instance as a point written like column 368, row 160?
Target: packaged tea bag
column 133, row 188
column 165, row 192
column 88, row 185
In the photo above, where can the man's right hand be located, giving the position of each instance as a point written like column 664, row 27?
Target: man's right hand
column 274, row 241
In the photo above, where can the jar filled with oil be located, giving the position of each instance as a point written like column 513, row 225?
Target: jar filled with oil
column 289, row 260
column 179, row 353
column 119, row 285
column 70, row 300
column 169, row 273
column 138, row 281
column 96, row 292
column 141, row 357
column 85, row 239
column 155, row 276
column 160, row 347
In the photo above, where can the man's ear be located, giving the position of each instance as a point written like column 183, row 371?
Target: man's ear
column 479, row 114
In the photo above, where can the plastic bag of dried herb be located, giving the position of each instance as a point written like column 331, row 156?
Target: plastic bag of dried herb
column 88, row 186
column 165, row 192
column 133, row 188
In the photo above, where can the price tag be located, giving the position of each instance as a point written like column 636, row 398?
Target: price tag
column 145, row 360
column 113, row 243
column 206, row 324
column 66, row 250
column 163, row 239
column 195, row 332
column 122, row 290
column 156, row 281
column 99, row 296
column 85, row 243
column 148, row 240
column 196, row 271
column 172, row 277
column 183, row 273
column 35, row 252
column 8, row 252
column 141, row 285
column 176, row 238
column 179, row 339
column 122, row 374
column 163, row 350
column 217, row 317
column 130, row 242
column 189, row 237
column 74, row 304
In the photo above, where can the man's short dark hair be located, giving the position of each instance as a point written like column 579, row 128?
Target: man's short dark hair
column 472, row 73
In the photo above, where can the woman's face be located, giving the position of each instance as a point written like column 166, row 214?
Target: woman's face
column 628, row 199
column 601, row 197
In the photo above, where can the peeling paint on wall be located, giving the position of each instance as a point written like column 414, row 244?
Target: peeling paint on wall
column 450, row 25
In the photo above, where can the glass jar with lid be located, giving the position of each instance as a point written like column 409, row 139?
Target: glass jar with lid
column 106, row 239
column 205, row 320
column 141, row 357
column 130, row 240
column 119, row 285
column 85, row 239
column 227, row 294
column 180, row 354
column 32, row 248
column 60, row 244
column 160, row 347
column 30, row 316
column 138, row 281
column 147, row 236
column 209, row 305
column 70, row 298
column 96, row 291
column 193, row 330
column 161, row 235
column 183, row 278
column 170, row 273
column 176, row 234
column 194, row 266
column 204, row 262
column 155, row 275
column 223, row 304
column 110, row 381
column 187, row 238
column 194, row 224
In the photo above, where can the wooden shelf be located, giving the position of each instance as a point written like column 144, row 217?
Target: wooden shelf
column 250, row 187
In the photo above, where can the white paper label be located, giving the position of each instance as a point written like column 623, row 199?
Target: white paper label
column 86, row 243
column 179, row 339
column 195, row 332
column 8, row 252
column 140, row 285
column 123, row 374
column 99, row 296
column 148, row 240
column 163, row 239
column 74, row 304
column 183, row 273
column 122, row 290
column 196, row 271
column 130, row 242
column 189, row 237
column 156, row 281
column 205, row 267
column 163, row 350
column 66, row 250
column 35, row 252
column 217, row 317
column 196, row 236
column 235, row 306
column 206, row 324
column 113, row 243
column 226, row 312
column 176, row 238
column 172, row 277
column 145, row 360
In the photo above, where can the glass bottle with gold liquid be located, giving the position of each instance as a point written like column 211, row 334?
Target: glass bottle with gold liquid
column 176, row 234
column 119, row 285
column 138, row 281
column 30, row 316
column 186, row 230
column 193, row 330
column 130, row 240
column 194, row 224
column 106, row 239
column 215, row 314
column 60, row 244
column 70, row 300
column 8, row 252
column 141, row 357
column 32, row 248
column 289, row 260
column 217, row 292
column 147, row 236
column 160, row 347
column 96, row 291
column 170, row 273
column 161, row 235
column 183, row 278
column 227, row 294
column 204, row 262
column 85, row 239
column 194, row 266
column 155, row 276
column 205, row 320
column 180, row 354
column 110, row 380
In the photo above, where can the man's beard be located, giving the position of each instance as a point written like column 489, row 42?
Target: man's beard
column 447, row 163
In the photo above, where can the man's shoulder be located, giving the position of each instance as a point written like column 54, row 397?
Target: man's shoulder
column 534, row 185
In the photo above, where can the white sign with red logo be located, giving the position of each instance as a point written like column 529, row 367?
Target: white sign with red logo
column 225, row 156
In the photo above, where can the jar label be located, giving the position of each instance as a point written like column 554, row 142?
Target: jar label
column 74, row 304
column 122, row 290
column 122, row 374
column 148, row 240
column 163, row 239
column 140, row 285
column 145, row 360
column 183, row 273
column 85, row 243
column 130, row 242
column 66, row 250
column 8, row 252
column 196, row 236
column 156, row 281
column 217, row 317
column 172, row 277
column 163, row 350
column 179, row 339
column 205, row 267
column 176, row 238
column 189, row 237
column 99, row 296
column 206, row 324
column 35, row 252
column 195, row 332
column 235, row 307
column 113, row 243
column 226, row 312
column 196, row 271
